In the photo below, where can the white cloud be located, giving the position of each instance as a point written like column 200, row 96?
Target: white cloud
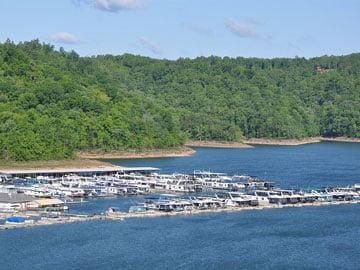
column 117, row 5
column 243, row 30
column 65, row 37
column 151, row 46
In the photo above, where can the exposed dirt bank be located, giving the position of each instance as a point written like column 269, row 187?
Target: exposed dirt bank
column 309, row 140
column 78, row 163
column 177, row 152
column 217, row 144
column 340, row 139
column 265, row 141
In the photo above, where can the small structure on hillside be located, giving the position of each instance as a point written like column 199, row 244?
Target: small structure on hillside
column 320, row 69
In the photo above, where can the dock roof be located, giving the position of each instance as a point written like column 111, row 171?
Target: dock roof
column 15, row 198
column 47, row 202
column 87, row 170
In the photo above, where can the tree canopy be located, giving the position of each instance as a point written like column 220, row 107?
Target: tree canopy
column 53, row 103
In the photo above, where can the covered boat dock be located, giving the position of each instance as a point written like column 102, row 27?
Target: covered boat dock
column 89, row 171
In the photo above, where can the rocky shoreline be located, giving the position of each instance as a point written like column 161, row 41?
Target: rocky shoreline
column 248, row 143
column 132, row 154
column 87, row 159
column 283, row 142
column 294, row 142
column 217, row 144
column 340, row 139
column 76, row 163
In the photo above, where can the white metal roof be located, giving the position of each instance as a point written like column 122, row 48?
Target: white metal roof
column 76, row 170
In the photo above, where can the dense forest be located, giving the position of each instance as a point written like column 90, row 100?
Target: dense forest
column 53, row 103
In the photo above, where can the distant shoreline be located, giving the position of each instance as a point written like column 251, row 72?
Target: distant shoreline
column 99, row 159
column 294, row 142
column 248, row 143
column 217, row 144
column 340, row 139
column 282, row 142
column 76, row 163
column 133, row 154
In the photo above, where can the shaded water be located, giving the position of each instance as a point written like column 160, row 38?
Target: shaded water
column 301, row 238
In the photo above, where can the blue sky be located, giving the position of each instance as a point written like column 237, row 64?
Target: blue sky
column 187, row 28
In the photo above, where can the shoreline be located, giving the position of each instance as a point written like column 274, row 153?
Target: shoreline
column 77, row 163
column 283, row 142
column 251, row 142
column 134, row 154
column 217, row 144
column 295, row 142
column 97, row 159
column 340, row 139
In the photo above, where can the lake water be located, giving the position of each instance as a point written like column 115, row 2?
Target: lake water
column 303, row 238
column 306, row 166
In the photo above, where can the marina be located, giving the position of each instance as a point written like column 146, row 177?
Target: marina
column 46, row 198
column 198, row 206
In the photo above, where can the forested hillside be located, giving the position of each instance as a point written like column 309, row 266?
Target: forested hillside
column 53, row 103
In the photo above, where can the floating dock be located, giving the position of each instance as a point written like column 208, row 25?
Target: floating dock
column 152, row 214
column 230, row 194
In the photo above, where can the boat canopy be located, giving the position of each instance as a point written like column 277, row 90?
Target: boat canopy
column 15, row 219
column 46, row 202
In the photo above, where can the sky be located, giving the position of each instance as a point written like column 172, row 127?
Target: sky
column 187, row 28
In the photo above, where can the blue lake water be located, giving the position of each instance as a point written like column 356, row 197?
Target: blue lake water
column 306, row 166
column 304, row 238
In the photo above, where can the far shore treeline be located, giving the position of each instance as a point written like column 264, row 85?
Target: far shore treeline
column 53, row 103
